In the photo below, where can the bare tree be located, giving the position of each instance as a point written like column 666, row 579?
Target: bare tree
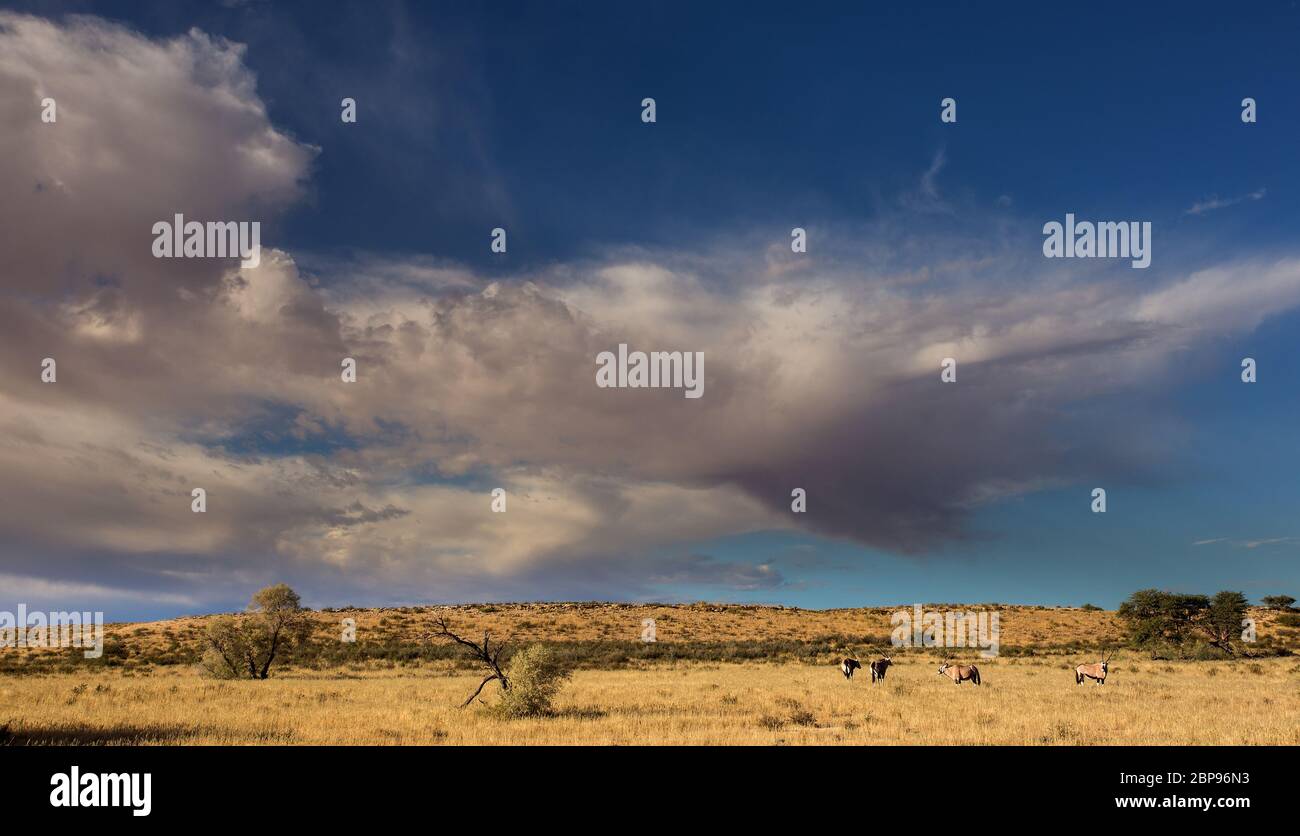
column 485, row 653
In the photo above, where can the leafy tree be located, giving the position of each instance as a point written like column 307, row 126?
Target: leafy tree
column 1221, row 620
column 1278, row 602
column 228, row 655
column 1154, row 616
column 245, row 646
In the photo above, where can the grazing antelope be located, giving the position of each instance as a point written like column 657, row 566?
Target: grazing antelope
column 1097, row 671
column 879, row 667
column 848, row 666
column 960, row 673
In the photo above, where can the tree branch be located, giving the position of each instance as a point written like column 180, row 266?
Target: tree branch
column 484, row 653
column 479, row 689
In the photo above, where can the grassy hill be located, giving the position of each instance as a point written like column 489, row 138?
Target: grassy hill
column 608, row 636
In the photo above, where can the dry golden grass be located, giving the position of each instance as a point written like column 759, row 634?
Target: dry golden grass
column 153, row 694
column 1022, row 701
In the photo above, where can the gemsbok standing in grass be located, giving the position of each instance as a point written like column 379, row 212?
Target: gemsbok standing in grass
column 879, row 667
column 848, row 666
column 960, row 673
column 1096, row 670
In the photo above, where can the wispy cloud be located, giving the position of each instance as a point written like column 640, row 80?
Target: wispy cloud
column 1272, row 541
column 925, row 197
column 1214, row 202
column 1249, row 544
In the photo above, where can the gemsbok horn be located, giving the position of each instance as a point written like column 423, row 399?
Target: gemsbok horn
column 960, row 673
column 1097, row 671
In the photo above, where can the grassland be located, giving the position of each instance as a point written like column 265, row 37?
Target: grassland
column 393, row 686
column 1022, row 701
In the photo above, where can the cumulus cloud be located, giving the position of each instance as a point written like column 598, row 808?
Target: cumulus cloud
column 176, row 374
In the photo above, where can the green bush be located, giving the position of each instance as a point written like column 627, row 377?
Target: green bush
column 536, row 676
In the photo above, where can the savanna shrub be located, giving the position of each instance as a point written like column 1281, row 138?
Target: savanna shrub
column 803, row 717
column 536, row 676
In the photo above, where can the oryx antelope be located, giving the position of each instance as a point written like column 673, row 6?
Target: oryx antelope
column 1096, row 670
column 960, row 673
column 848, row 666
column 879, row 667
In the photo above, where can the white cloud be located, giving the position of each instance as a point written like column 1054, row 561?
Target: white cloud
column 1212, row 203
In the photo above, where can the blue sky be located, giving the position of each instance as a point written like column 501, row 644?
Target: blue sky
column 769, row 117
column 514, row 112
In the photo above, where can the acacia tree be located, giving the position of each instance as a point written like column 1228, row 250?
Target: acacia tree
column 1175, row 619
column 245, row 646
column 1278, row 602
column 1221, row 620
column 1154, row 616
